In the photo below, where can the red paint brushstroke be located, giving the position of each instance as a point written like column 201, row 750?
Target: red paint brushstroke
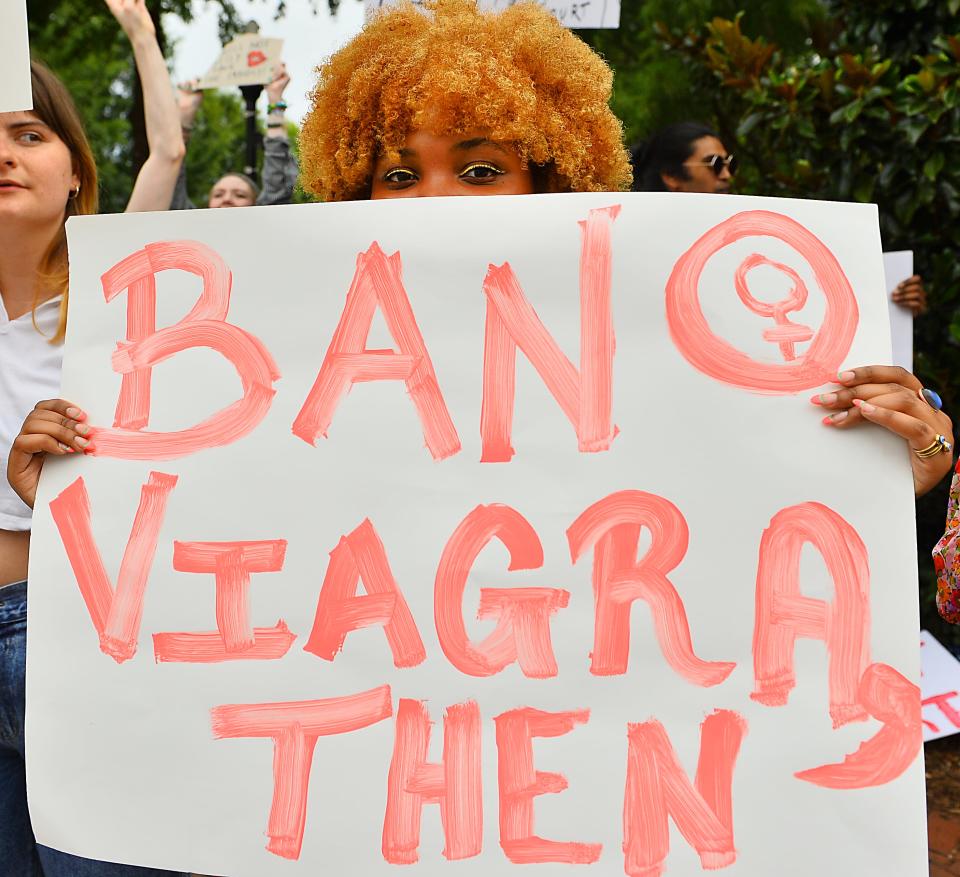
column 894, row 701
column 658, row 787
column 585, row 397
column 145, row 347
column 294, row 728
column 942, row 703
column 115, row 613
column 786, row 333
column 361, row 555
column 455, row 784
column 716, row 357
column 522, row 632
column 231, row 564
column 612, row 528
column 783, row 614
column 255, row 58
column 378, row 281
column 520, row 782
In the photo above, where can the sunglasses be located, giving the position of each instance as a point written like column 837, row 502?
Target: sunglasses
column 717, row 163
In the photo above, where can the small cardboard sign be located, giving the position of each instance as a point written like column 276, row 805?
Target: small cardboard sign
column 571, row 13
column 15, row 91
column 248, row 59
column 940, row 689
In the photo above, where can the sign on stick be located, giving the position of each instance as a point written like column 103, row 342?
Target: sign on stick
column 248, row 59
column 477, row 532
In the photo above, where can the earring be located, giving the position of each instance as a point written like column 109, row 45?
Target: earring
column 74, row 192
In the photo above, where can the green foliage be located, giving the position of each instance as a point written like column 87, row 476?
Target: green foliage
column 868, row 111
column 653, row 86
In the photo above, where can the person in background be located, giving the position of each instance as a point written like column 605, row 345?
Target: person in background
column 47, row 174
column 685, row 157
column 690, row 157
column 236, row 189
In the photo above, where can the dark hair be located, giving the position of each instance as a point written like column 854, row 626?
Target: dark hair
column 664, row 153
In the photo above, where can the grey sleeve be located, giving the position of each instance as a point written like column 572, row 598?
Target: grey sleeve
column 280, row 172
column 181, row 200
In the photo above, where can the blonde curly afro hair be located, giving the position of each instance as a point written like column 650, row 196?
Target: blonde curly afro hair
column 517, row 76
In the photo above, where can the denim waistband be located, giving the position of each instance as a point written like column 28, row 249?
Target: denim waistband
column 13, row 602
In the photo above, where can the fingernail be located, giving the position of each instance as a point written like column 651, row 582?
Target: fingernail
column 865, row 407
column 843, row 377
column 828, row 398
column 815, row 399
column 82, row 442
column 833, row 419
column 74, row 413
column 63, row 447
column 82, row 428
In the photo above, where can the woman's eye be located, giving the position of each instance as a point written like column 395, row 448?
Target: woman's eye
column 481, row 170
column 30, row 137
column 399, row 175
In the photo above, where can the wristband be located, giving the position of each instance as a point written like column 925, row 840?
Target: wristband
column 275, row 125
column 279, row 106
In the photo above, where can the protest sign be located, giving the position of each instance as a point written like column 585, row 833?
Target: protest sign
column 248, row 59
column 940, row 689
column 538, row 473
column 897, row 267
column 572, row 13
column 15, row 88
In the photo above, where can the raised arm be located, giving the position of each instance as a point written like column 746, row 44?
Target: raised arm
column 155, row 182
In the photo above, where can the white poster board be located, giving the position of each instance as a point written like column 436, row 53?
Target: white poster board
column 571, row 13
column 248, row 59
column 940, row 688
column 704, row 481
column 15, row 89
column 897, row 267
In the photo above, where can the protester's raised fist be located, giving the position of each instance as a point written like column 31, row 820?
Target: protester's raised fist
column 55, row 426
column 189, row 98
column 133, row 16
column 276, row 86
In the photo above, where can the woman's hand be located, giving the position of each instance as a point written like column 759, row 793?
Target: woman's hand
column 133, row 16
column 911, row 295
column 278, row 84
column 891, row 397
column 189, row 98
column 53, row 427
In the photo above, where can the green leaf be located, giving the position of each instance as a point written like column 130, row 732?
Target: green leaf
column 933, row 165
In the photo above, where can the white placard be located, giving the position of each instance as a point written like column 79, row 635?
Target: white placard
column 151, row 742
column 940, row 687
column 15, row 89
column 571, row 13
column 897, row 267
column 248, row 59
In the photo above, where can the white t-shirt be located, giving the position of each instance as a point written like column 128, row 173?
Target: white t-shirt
column 30, row 369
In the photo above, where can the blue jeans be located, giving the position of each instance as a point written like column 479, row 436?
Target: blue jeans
column 20, row 854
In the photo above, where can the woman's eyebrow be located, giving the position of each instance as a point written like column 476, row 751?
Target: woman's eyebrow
column 28, row 123
column 467, row 145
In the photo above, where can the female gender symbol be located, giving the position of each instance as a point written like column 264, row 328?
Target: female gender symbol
column 787, row 333
column 717, row 357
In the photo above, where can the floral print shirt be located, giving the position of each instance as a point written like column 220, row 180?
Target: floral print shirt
column 946, row 557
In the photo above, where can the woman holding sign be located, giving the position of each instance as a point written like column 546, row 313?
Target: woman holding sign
column 452, row 101
column 47, row 174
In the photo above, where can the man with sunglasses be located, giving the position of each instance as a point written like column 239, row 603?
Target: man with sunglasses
column 685, row 157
